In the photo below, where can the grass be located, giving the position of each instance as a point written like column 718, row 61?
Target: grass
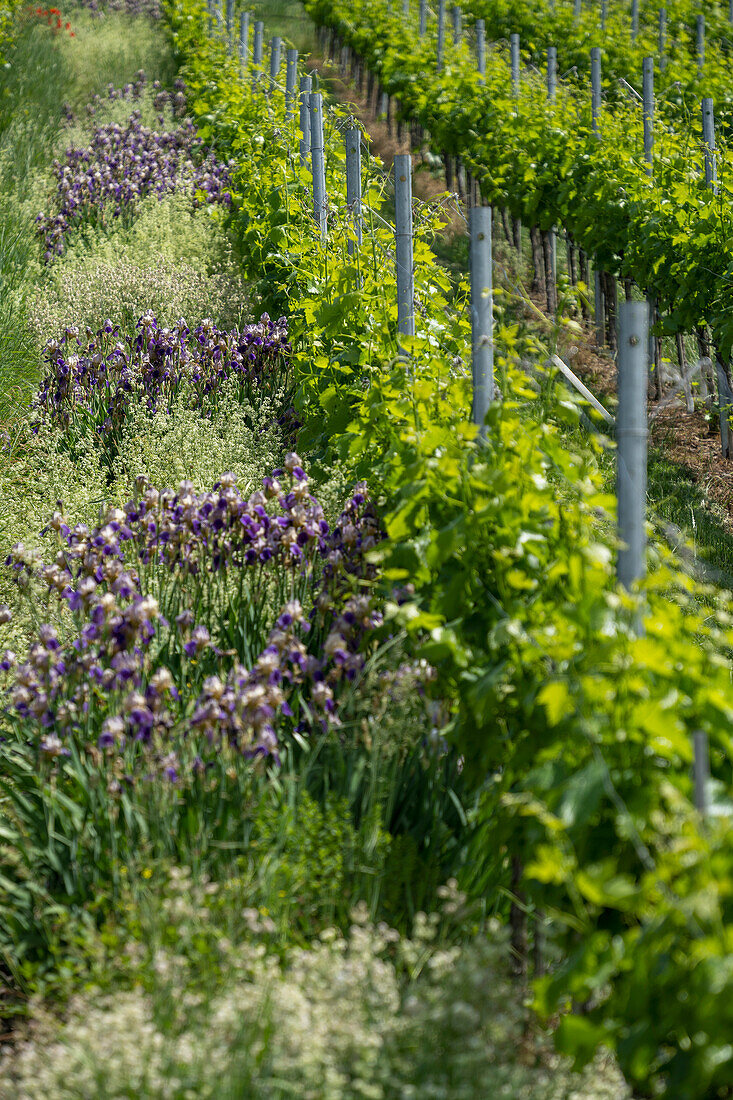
column 29, row 126
column 121, row 46
column 678, row 498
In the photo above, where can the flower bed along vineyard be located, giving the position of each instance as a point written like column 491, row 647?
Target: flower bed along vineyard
column 121, row 165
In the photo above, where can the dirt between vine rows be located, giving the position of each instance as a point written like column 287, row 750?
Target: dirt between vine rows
column 688, row 440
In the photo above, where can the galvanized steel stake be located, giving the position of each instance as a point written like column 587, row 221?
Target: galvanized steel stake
column 353, row 180
column 663, row 39
column 482, row 316
column 708, row 136
column 514, row 50
column 403, row 242
column 291, row 77
column 230, row 23
column 725, row 397
column 320, row 211
column 551, row 95
column 457, row 24
column 634, row 19
column 481, row 48
column 700, row 43
column 257, row 48
column 441, row 36
column 595, row 78
column 306, row 84
column 551, row 73
column 243, row 39
column 423, row 17
column 648, row 108
column 631, row 435
column 598, row 306
column 275, row 55
column 514, row 53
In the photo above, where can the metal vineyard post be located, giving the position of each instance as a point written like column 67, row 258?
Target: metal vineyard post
column 700, row 43
column 441, row 36
column 481, row 48
column 243, row 39
column 551, row 73
column 514, row 48
column 403, row 243
column 708, row 137
column 631, row 436
column 551, row 96
column 291, row 77
column 318, row 164
column 598, row 305
column 275, row 56
column 595, row 79
column 353, row 180
column 306, row 85
column 457, row 25
column 257, row 48
column 648, row 109
column 482, row 319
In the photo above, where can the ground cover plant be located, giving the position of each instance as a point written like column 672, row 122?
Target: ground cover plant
column 260, row 719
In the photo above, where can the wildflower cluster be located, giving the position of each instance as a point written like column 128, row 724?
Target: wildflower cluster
column 343, row 1017
column 91, row 378
column 54, row 19
column 149, row 676
column 123, row 164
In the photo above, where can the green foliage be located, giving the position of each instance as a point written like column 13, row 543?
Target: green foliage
column 576, row 732
column 543, row 162
column 552, row 737
column 29, row 123
column 319, row 862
